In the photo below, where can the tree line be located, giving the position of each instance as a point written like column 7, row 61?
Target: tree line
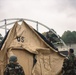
column 69, row 37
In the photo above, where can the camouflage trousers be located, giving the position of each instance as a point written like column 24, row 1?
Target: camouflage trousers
column 69, row 72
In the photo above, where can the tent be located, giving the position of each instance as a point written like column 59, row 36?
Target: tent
column 35, row 54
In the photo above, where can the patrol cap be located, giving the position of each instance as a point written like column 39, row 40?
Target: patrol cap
column 13, row 59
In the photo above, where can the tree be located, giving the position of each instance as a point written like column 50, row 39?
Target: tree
column 50, row 36
column 74, row 35
column 69, row 37
column 44, row 33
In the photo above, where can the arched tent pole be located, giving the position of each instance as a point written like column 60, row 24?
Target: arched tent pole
column 37, row 23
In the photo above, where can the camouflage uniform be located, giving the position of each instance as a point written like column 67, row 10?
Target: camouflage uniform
column 13, row 68
column 69, row 65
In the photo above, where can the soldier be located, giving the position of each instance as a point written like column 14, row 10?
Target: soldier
column 13, row 68
column 69, row 64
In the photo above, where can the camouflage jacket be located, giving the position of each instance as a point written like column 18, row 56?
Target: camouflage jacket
column 13, row 69
column 69, row 65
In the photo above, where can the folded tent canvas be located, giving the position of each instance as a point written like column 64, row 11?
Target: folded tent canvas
column 35, row 55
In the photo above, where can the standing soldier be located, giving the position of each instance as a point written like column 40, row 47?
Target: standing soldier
column 13, row 68
column 69, row 64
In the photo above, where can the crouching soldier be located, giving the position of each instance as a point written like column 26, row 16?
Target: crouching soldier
column 13, row 68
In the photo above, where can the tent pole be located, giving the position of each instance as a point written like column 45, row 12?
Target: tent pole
column 37, row 26
column 5, row 26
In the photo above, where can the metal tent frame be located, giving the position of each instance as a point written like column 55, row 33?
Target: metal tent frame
column 4, row 26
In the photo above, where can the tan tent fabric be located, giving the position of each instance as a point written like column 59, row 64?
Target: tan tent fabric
column 8, row 41
column 24, row 42
column 25, row 59
column 29, row 38
column 48, row 63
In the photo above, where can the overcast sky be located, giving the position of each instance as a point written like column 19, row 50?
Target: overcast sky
column 57, row 14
